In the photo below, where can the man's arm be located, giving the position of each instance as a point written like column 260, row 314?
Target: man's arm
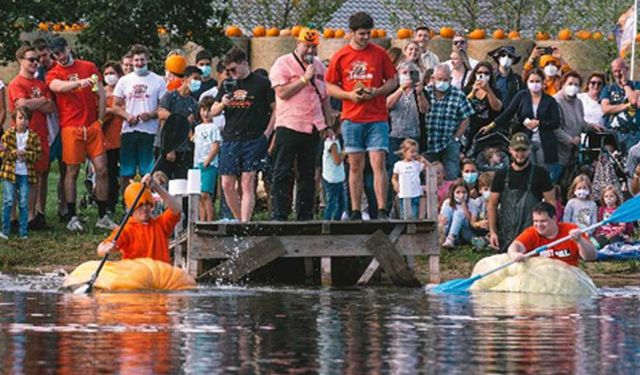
column 492, row 215
column 517, row 251
column 44, row 105
column 272, row 121
column 102, row 101
column 163, row 114
column 60, row 86
column 462, row 128
column 586, row 248
column 338, row 93
column 169, row 200
column 612, row 109
column 550, row 197
column 119, row 110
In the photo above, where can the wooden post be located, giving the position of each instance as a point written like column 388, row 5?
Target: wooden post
column 325, row 269
column 408, row 210
column 193, row 266
column 434, row 269
column 375, row 265
column 391, row 261
column 432, row 194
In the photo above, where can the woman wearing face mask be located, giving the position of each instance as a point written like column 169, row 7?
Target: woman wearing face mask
column 470, row 177
column 552, row 64
column 590, row 99
column 405, row 105
column 111, row 72
column 572, row 115
column 484, row 98
column 460, row 69
column 538, row 116
column 506, row 81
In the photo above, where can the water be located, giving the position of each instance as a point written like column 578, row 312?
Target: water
column 278, row 330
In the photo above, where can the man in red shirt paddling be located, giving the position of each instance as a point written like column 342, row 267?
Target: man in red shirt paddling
column 547, row 229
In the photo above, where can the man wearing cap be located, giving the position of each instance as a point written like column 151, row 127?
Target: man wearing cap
column 143, row 235
column 506, row 80
column 137, row 96
column 80, row 100
column 553, row 66
column 514, row 192
column 302, row 114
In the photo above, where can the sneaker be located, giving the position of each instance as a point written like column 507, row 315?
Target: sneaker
column 74, row 224
column 106, row 223
column 355, row 215
column 478, row 243
column 3, row 236
column 449, row 243
column 382, row 214
column 38, row 222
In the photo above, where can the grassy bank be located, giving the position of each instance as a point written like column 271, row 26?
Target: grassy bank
column 48, row 250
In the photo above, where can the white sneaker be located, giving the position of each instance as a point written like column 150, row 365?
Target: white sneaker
column 450, row 242
column 74, row 224
column 106, row 223
column 3, row 236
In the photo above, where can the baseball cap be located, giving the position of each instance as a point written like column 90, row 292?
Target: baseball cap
column 520, row 141
column 57, row 44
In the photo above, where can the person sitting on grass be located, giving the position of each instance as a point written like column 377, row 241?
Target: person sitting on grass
column 145, row 236
column 480, row 218
column 19, row 150
column 546, row 229
column 455, row 215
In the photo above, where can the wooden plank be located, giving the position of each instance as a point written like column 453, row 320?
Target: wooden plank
column 434, row 269
column 205, row 247
column 432, row 194
column 391, row 261
column 325, row 270
column 262, row 253
column 374, row 265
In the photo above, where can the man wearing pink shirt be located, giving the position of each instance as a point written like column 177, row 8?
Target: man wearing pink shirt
column 302, row 114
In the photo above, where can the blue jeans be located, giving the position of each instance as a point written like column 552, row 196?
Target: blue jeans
column 8, row 194
column 415, row 207
column 334, row 200
column 450, row 158
column 459, row 227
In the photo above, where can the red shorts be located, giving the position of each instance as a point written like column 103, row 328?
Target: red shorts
column 78, row 143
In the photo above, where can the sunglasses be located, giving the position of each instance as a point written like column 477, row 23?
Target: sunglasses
column 459, row 42
column 483, row 72
column 596, row 83
column 32, row 59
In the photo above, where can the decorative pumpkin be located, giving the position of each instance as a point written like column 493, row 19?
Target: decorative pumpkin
column 339, row 33
column 541, row 35
column 432, row 33
column 285, row 32
column 499, row 34
column 274, row 31
column 404, row 34
column 382, row 33
column 295, row 31
column 447, row 32
column 58, row 27
column 477, row 34
column 161, row 30
column 233, row 31
column 259, row 31
column 43, row 26
column 328, row 33
column 374, row 34
column 597, row 36
column 583, row 35
column 514, row 35
column 564, row 34
column 637, row 37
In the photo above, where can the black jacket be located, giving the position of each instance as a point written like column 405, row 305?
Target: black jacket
column 514, row 85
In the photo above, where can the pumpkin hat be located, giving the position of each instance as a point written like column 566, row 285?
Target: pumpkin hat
column 546, row 59
column 175, row 64
column 505, row 50
column 309, row 36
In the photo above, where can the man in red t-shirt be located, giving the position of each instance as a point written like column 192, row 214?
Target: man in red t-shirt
column 545, row 230
column 27, row 91
column 81, row 105
column 361, row 75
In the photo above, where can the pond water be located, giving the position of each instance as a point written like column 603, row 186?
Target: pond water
column 284, row 330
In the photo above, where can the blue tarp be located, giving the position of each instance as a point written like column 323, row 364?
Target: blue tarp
column 620, row 251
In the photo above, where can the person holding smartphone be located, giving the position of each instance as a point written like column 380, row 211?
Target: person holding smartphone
column 550, row 60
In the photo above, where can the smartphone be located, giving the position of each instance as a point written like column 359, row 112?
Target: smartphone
column 414, row 75
column 308, row 59
column 230, row 85
column 546, row 50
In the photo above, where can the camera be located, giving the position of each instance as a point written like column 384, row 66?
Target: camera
column 230, row 85
column 546, row 50
column 308, row 59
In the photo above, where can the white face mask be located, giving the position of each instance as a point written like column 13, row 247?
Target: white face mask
column 610, row 201
column 442, row 86
column 111, row 79
column 460, row 198
column 550, row 70
column 404, row 79
column 482, row 77
column 582, row 193
column 505, row 62
column 571, row 90
column 534, row 86
column 486, row 194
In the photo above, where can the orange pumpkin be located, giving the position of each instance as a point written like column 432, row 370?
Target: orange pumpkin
column 328, row 33
column 564, row 34
column 43, row 26
column 477, row 34
column 382, row 33
column 541, row 35
column 295, row 31
column 374, row 34
column 499, row 34
column 583, row 35
column 432, row 33
column 447, row 32
column 233, row 31
column 58, row 27
column 161, row 30
column 514, row 35
column 597, row 36
column 259, row 31
column 285, row 32
column 404, row 34
column 274, row 31
column 339, row 33
column 637, row 37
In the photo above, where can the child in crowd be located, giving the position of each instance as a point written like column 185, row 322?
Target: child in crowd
column 20, row 149
column 557, row 190
column 442, row 185
column 480, row 219
column 613, row 232
column 161, row 179
column 406, row 177
column 492, row 160
column 333, row 177
column 470, row 177
column 455, row 215
column 207, row 138
column 581, row 209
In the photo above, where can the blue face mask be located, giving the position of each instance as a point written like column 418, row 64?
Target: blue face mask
column 442, row 86
column 470, row 178
column 206, row 70
column 195, row 85
column 141, row 71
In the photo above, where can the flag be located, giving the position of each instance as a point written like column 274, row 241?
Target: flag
column 625, row 31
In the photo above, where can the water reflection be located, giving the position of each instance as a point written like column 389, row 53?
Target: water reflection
column 262, row 330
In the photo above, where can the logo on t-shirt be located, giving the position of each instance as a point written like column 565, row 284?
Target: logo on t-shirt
column 139, row 91
column 35, row 92
column 562, row 253
column 73, row 77
column 359, row 71
column 241, row 99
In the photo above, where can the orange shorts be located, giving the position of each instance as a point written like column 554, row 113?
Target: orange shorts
column 78, row 143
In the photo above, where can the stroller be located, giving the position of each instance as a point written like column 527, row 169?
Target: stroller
column 494, row 142
column 89, row 196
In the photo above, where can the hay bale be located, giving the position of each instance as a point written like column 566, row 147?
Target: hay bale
column 584, row 57
column 265, row 51
column 243, row 43
column 382, row 42
column 441, row 47
column 328, row 47
column 478, row 49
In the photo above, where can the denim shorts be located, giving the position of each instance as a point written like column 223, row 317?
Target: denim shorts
column 208, row 178
column 367, row 136
column 242, row 156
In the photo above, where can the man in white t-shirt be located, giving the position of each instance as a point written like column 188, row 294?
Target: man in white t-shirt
column 137, row 96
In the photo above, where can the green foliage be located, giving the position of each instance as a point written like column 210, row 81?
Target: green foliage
column 283, row 14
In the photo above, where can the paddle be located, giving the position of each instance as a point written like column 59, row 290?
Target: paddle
column 629, row 211
column 174, row 134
